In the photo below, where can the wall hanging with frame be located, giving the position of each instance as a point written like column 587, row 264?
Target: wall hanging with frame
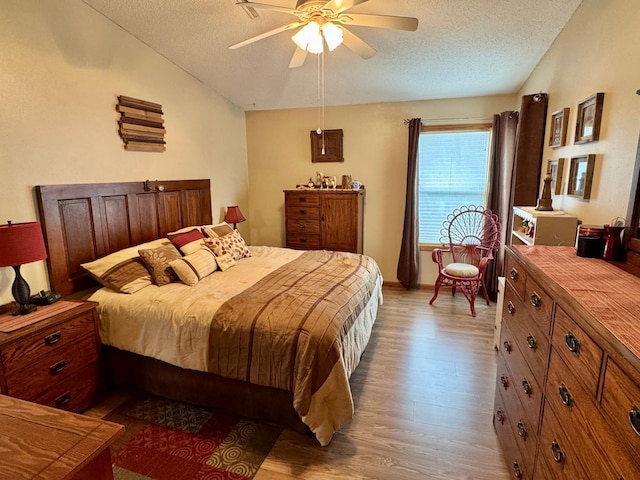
column 558, row 130
column 581, row 176
column 326, row 146
column 556, row 169
column 588, row 119
column 141, row 124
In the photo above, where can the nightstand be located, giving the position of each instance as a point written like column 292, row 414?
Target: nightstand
column 52, row 356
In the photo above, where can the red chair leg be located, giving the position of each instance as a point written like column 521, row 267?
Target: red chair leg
column 436, row 288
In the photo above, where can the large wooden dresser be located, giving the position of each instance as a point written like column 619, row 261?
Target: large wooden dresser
column 324, row 219
column 567, row 402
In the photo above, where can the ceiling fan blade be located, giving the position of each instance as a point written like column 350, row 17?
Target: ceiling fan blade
column 299, row 56
column 409, row 24
column 358, row 45
column 337, row 6
column 268, row 7
column 275, row 31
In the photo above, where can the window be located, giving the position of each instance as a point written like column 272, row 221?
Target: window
column 452, row 171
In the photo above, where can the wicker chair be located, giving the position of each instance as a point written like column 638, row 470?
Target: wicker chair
column 470, row 234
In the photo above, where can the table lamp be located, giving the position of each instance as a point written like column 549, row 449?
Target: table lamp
column 234, row 215
column 21, row 243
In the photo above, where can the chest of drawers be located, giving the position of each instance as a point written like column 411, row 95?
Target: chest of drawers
column 570, row 353
column 55, row 360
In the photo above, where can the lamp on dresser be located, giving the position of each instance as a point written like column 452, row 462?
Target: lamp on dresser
column 21, row 243
column 234, row 215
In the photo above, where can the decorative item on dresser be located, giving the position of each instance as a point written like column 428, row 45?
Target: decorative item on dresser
column 52, row 356
column 536, row 227
column 568, row 379
column 325, row 219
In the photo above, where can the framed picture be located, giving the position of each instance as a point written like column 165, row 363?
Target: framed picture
column 556, row 169
column 581, row 176
column 588, row 119
column 558, row 130
column 326, row 146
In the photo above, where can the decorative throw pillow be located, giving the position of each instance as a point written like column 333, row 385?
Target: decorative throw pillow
column 219, row 230
column 157, row 261
column 232, row 243
column 123, row 271
column 225, row 261
column 194, row 267
column 188, row 242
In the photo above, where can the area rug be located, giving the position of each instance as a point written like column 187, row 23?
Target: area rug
column 169, row 440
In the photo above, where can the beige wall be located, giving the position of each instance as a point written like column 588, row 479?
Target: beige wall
column 375, row 153
column 598, row 51
column 62, row 66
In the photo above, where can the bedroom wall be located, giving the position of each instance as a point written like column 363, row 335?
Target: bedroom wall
column 62, row 67
column 375, row 153
column 597, row 51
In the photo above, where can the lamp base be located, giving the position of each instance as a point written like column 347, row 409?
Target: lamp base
column 24, row 309
column 21, row 294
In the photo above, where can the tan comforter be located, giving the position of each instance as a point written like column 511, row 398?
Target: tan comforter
column 297, row 321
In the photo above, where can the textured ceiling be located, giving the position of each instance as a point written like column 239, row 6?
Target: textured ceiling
column 462, row 48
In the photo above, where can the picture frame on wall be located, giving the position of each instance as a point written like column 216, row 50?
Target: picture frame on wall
column 581, row 176
column 555, row 168
column 558, row 129
column 589, row 117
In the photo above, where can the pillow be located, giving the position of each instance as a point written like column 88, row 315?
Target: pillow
column 219, row 230
column 232, row 243
column 123, row 271
column 157, row 262
column 194, row 267
column 188, row 242
column 225, row 261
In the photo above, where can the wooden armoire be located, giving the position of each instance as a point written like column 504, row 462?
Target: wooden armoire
column 324, row 219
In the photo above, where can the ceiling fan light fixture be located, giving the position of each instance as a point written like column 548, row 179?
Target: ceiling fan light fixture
column 309, row 37
column 332, row 35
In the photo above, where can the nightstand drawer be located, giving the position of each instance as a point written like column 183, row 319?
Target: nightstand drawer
column 76, row 393
column 51, row 369
column 21, row 353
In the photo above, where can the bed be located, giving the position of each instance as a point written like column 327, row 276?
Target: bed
column 275, row 337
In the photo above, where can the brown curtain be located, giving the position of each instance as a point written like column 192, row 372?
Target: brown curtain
column 502, row 157
column 409, row 261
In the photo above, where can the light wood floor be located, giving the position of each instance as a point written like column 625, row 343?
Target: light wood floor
column 423, row 395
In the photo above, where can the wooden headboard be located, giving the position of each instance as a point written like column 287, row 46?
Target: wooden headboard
column 87, row 221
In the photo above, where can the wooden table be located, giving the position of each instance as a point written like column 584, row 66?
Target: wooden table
column 38, row 442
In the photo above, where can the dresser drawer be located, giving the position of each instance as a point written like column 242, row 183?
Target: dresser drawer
column 502, row 421
column 556, row 450
column 516, row 275
column 303, row 225
column 302, row 198
column 621, row 408
column 76, row 393
column 533, row 344
column 303, row 212
column 53, row 368
column 582, row 423
column 581, row 354
column 539, row 305
column 524, row 383
column 21, row 353
column 300, row 241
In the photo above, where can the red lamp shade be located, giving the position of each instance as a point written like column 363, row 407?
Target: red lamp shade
column 21, row 243
column 234, row 215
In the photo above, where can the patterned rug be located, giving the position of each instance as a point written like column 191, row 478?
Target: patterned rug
column 169, row 440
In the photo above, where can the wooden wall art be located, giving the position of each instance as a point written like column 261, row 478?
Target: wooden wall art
column 332, row 141
column 141, row 124
column 589, row 118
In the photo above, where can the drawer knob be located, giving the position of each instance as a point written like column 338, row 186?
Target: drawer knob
column 302, row 211
column 535, row 299
column 565, row 396
column 53, row 338
column 531, row 341
column 500, row 416
column 63, row 400
column 302, row 199
column 56, row 368
column 511, row 307
column 526, row 386
column 572, row 343
column 517, row 472
column 504, row 381
column 302, row 225
column 303, row 240
column 634, row 419
column 507, row 346
column 513, row 274
column 556, row 451
column 522, row 430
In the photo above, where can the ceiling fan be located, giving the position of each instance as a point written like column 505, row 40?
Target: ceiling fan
column 322, row 21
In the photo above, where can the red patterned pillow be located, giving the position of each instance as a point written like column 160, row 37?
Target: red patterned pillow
column 188, row 242
column 232, row 244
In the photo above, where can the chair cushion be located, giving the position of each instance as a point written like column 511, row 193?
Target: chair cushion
column 462, row 270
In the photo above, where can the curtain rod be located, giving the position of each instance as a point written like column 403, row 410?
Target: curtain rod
column 451, row 119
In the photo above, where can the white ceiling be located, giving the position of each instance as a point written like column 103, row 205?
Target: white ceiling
column 462, row 48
